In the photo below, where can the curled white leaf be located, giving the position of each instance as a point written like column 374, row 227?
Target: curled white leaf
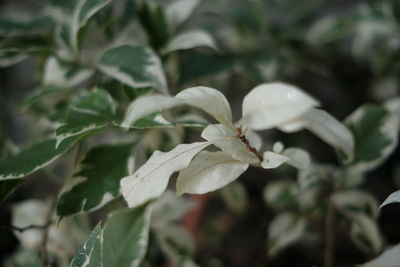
column 151, row 180
column 209, row 100
column 271, row 104
column 146, row 105
column 209, row 171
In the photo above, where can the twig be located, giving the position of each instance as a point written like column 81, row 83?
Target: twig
column 329, row 235
column 25, row 228
column 45, row 254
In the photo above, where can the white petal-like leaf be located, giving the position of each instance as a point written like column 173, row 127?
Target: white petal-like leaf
column 273, row 160
column 327, row 128
column 209, row 100
column 392, row 198
column 389, row 258
column 147, row 105
column 135, row 66
column 271, row 104
column 180, row 10
column 298, row 158
column 254, row 139
column 227, row 140
column 188, row 40
column 151, row 180
column 209, row 171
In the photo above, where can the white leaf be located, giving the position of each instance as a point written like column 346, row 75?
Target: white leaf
column 392, row 198
column 209, row 171
column 190, row 39
column 284, row 230
column 209, row 100
column 271, row 104
column 278, row 147
column 227, row 140
column 389, row 258
column 151, row 180
column 273, row 160
column 146, row 105
column 180, row 10
column 254, row 139
column 298, row 158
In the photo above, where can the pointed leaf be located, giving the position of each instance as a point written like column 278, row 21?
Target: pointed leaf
column 392, row 198
column 273, row 160
column 34, row 158
column 209, row 171
column 89, row 113
column 271, row 104
column 98, row 180
column 151, row 180
column 189, row 40
column 228, row 141
column 135, row 66
column 122, row 241
column 209, row 100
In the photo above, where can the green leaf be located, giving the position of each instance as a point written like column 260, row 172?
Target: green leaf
column 6, row 187
column 97, row 182
column 122, row 242
column 135, row 66
column 23, row 26
column 375, row 131
column 34, row 158
column 88, row 114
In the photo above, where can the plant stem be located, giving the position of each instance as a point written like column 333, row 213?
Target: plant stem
column 329, row 235
column 29, row 227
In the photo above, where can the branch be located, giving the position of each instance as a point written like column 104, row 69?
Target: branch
column 329, row 235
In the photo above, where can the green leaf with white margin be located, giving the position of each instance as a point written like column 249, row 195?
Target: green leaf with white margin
column 392, row 198
column 271, row 104
column 325, row 127
column 22, row 25
column 34, row 158
column 228, row 141
column 136, row 66
column 84, row 10
column 284, row 230
column 154, row 120
column 89, row 113
column 365, row 234
column 179, row 11
column 122, row 242
column 146, row 105
column 210, row 101
column 209, row 171
column 97, row 181
column 151, row 180
column 189, row 40
column 375, row 131
column 281, row 194
column 389, row 258
column 353, row 202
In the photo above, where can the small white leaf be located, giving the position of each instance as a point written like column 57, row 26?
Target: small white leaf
column 298, row 158
column 278, row 147
column 389, row 258
column 271, row 104
column 188, row 40
column 273, row 160
column 392, row 198
column 227, row 140
column 147, row 105
column 151, row 180
column 209, row 171
column 209, row 100
column 180, row 10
